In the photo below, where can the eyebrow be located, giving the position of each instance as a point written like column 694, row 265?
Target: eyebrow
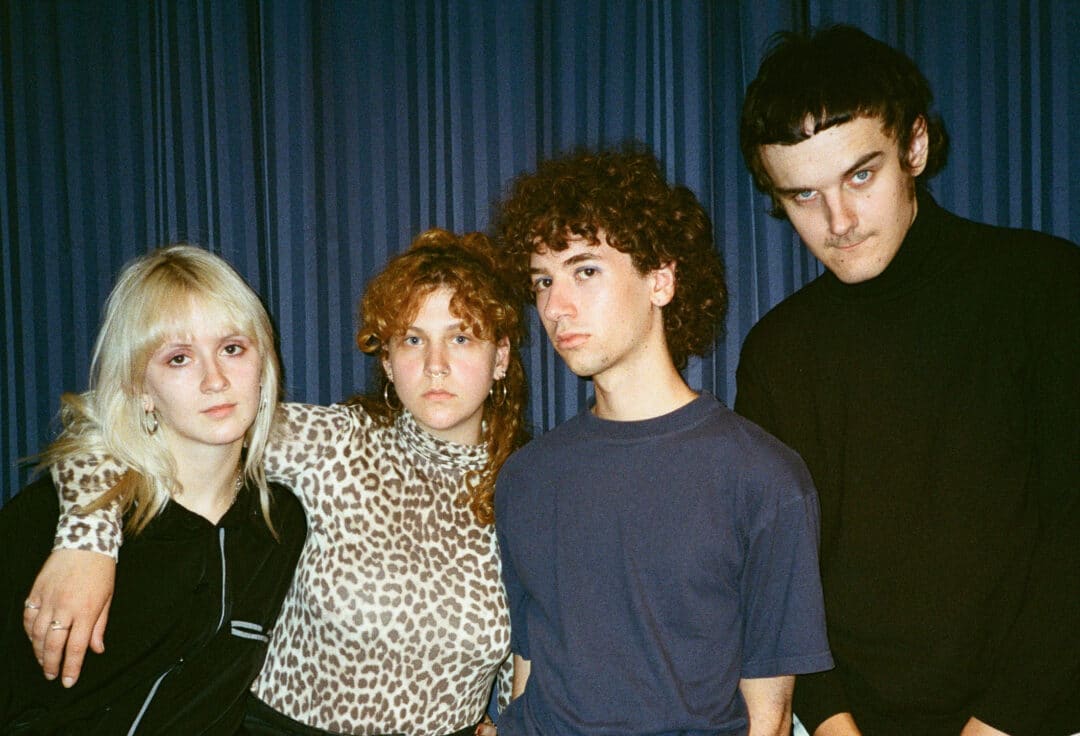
column 860, row 163
column 572, row 261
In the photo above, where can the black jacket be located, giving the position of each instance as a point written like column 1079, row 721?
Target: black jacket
column 188, row 627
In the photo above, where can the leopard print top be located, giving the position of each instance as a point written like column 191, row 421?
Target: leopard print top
column 396, row 621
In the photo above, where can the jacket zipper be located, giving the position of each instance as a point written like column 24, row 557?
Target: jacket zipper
column 221, row 620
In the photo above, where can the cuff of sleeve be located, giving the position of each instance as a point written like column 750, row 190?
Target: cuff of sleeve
column 818, row 697
column 88, row 535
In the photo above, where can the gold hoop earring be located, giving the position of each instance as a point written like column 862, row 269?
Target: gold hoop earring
column 386, row 398
column 149, row 421
column 498, row 399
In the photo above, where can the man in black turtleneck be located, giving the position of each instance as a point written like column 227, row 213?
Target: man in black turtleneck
column 930, row 381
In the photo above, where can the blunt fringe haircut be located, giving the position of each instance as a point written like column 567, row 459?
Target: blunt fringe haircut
column 154, row 300
column 828, row 78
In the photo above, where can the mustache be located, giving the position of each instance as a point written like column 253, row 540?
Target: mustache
column 846, row 240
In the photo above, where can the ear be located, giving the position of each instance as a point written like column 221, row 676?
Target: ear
column 502, row 358
column 919, row 150
column 663, row 284
column 147, row 403
column 387, row 369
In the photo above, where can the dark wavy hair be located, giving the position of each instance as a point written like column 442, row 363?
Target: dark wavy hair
column 623, row 195
column 833, row 76
column 488, row 307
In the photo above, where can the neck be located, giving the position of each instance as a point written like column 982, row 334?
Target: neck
column 208, row 479
column 641, row 394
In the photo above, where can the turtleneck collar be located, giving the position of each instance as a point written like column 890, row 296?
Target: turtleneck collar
column 922, row 254
column 464, row 457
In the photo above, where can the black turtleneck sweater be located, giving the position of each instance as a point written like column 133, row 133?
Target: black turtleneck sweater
column 938, row 409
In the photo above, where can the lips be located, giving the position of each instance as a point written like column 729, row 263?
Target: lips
column 570, row 340
column 220, row 411
column 436, row 394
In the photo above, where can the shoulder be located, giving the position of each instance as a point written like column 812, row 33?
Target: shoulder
column 788, row 321
column 1029, row 251
column 285, row 505
column 320, row 425
column 751, row 453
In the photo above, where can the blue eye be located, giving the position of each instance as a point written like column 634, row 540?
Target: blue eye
column 861, row 177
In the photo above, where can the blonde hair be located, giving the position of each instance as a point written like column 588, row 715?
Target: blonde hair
column 151, row 301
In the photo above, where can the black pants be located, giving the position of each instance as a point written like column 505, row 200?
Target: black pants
column 262, row 720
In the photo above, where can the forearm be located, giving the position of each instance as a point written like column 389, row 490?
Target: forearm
column 522, row 668
column 768, row 704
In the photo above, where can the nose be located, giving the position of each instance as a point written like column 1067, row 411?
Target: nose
column 214, row 379
column 435, row 363
column 841, row 214
column 557, row 302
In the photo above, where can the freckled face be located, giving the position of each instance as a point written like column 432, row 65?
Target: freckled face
column 601, row 314
column 848, row 195
column 442, row 372
column 204, row 384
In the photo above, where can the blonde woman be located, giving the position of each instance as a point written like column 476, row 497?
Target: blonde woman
column 184, row 376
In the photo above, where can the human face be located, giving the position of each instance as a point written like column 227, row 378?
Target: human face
column 848, row 194
column 204, row 385
column 602, row 315
column 442, row 372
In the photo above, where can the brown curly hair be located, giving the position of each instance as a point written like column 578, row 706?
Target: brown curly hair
column 622, row 195
column 486, row 305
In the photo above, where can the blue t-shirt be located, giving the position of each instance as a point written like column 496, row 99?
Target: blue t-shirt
column 650, row 566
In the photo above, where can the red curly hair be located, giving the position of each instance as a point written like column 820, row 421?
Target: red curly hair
column 487, row 306
column 622, row 195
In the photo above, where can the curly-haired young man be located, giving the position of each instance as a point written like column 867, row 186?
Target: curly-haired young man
column 659, row 552
column 930, row 380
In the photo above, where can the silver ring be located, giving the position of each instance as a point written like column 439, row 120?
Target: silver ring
column 32, row 606
column 55, row 625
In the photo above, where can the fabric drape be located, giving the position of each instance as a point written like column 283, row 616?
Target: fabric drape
column 308, row 142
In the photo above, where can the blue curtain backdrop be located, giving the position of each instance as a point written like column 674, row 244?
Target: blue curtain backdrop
column 309, row 141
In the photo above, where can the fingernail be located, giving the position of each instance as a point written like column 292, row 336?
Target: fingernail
column 50, row 675
column 69, row 681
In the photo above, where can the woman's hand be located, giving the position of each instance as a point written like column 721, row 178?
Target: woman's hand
column 67, row 610
column 486, row 727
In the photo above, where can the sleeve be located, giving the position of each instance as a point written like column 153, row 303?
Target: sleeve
column 784, row 613
column 818, row 695
column 79, row 481
column 314, row 440
column 307, row 434
column 1037, row 675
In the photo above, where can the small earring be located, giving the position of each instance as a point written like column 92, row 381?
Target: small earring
column 498, row 399
column 149, row 421
column 386, row 398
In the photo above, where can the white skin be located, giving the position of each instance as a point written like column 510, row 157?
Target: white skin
column 848, row 195
column 851, row 198
column 203, row 384
column 605, row 319
column 204, row 388
column 442, row 372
